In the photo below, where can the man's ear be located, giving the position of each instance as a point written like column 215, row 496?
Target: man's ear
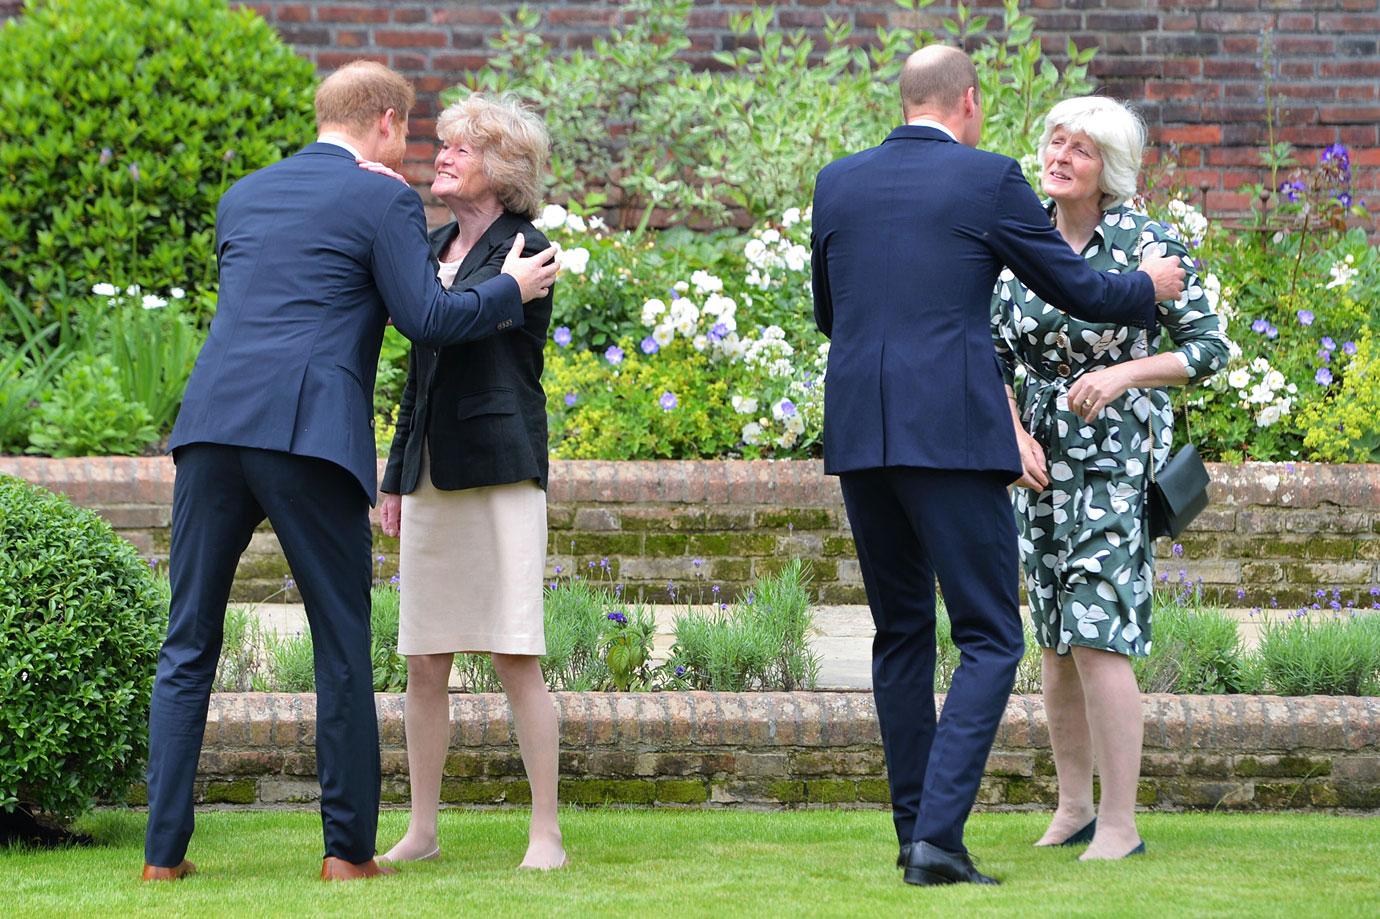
column 970, row 102
column 388, row 123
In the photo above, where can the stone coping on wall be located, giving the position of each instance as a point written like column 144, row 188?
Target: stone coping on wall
column 708, row 749
column 1278, row 532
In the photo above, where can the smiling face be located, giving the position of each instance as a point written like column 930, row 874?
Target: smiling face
column 460, row 173
column 1072, row 167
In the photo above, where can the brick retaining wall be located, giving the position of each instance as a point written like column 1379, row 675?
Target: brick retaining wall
column 1276, row 531
column 795, row 749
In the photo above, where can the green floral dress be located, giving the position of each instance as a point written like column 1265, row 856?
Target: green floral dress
column 1088, row 562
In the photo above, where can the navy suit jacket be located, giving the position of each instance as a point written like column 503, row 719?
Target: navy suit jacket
column 908, row 240
column 315, row 255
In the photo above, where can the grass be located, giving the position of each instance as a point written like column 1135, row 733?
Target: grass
column 698, row 863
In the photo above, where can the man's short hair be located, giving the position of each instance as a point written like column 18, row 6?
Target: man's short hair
column 939, row 81
column 361, row 91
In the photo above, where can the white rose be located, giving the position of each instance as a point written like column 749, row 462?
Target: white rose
column 551, row 217
column 1239, row 378
column 663, row 335
column 754, row 251
column 680, row 287
column 771, row 235
column 797, row 257
column 744, row 405
column 177, row 293
column 752, row 433
column 791, row 217
column 1268, row 416
column 1274, row 379
column 575, row 223
column 597, row 223
column 706, row 283
column 152, row 303
column 104, row 290
column 573, row 260
column 651, row 311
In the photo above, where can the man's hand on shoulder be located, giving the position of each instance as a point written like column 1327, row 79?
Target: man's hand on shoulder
column 1168, row 274
column 534, row 274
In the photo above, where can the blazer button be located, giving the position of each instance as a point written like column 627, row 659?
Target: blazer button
column 1064, row 370
column 1061, row 340
column 505, row 323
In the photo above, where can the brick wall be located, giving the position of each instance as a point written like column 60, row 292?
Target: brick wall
column 799, row 749
column 1278, row 532
column 1195, row 67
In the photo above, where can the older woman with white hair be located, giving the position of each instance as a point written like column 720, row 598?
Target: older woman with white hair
column 1094, row 405
column 465, row 484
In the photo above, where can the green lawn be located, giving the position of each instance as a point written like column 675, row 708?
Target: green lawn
column 697, row 863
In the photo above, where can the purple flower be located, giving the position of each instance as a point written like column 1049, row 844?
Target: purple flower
column 697, row 562
column 1324, row 355
column 1343, row 198
column 717, row 331
column 1323, row 376
column 614, row 355
column 1375, row 591
column 680, row 671
column 395, row 579
column 1337, row 153
column 1178, row 552
column 561, row 336
column 1349, row 347
column 1240, row 593
column 1328, row 343
column 571, row 399
column 1271, row 331
column 106, row 155
column 604, row 562
column 668, row 401
column 553, row 585
column 227, row 156
column 1291, row 189
column 618, row 617
column 1305, row 317
column 559, row 569
column 134, row 171
column 1319, row 593
column 649, row 345
column 787, row 408
column 1259, row 326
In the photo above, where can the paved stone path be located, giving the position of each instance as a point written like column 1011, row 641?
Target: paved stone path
column 843, row 637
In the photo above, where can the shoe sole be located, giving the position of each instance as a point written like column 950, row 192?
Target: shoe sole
column 922, row 878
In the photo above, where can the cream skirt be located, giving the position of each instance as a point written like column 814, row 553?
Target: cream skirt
column 471, row 568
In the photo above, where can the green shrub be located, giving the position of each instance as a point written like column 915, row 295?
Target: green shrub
column 86, row 414
column 759, row 643
column 81, row 621
column 636, row 127
column 1196, row 650
column 125, row 122
column 1339, row 656
column 390, row 668
column 291, row 662
column 243, row 657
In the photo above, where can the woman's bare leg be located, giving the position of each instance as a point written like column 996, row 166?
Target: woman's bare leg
column 538, row 734
column 426, row 718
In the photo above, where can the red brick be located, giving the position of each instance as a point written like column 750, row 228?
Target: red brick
column 1195, row 134
column 409, row 14
column 1349, row 114
column 468, row 15
column 410, row 38
column 351, row 14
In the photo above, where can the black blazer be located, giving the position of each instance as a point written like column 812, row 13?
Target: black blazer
column 478, row 405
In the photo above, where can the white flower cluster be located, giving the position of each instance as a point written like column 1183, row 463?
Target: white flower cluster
column 1191, row 225
column 769, row 251
column 789, row 415
column 555, row 217
column 1259, row 388
column 1343, row 273
column 713, row 326
column 116, row 297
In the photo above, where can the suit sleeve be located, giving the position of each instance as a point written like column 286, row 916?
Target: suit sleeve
column 421, row 308
column 392, row 472
column 1035, row 252
column 819, row 285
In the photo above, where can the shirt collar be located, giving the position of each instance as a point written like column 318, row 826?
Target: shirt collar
column 926, row 123
column 330, row 137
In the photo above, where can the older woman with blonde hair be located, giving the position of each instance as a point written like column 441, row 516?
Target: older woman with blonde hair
column 464, row 487
column 1095, row 408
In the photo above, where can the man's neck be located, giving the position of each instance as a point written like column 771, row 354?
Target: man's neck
column 354, row 145
column 932, row 120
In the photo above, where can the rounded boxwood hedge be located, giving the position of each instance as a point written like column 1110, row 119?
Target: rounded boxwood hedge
column 124, row 124
column 81, row 620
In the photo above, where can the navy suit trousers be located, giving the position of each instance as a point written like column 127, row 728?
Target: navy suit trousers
column 321, row 517
column 912, row 526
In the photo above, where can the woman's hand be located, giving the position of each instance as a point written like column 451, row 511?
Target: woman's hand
column 1094, row 391
column 390, row 514
column 380, row 169
column 1033, row 462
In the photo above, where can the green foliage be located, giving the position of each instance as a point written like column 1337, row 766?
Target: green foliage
column 947, row 656
column 1196, row 650
column 125, row 122
column 81, row 620
column 291, row 662
column 639, row 130
column 1337, row 656
column 759, row 643
column 86, row 414
column 390, row 667
column 152, row 351
column 243, row 658
column 1344, row 425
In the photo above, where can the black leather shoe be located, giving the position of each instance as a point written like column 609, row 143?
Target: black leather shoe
column 904, row 855
column 928, row 865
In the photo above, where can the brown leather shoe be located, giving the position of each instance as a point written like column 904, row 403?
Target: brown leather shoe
column 158, row 873
column 337, row 869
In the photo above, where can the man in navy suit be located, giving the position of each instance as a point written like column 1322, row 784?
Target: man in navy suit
column 315, row 255
column 909, row 238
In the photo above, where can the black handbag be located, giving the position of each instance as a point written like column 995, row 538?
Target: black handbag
column 1178, row 493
